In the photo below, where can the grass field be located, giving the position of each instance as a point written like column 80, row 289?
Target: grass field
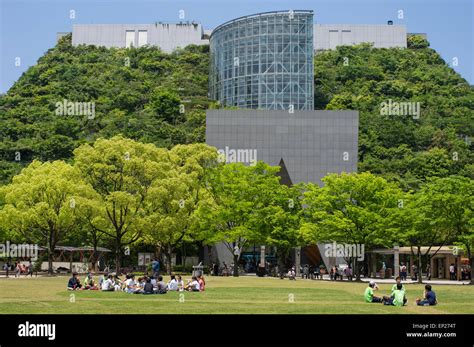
column 224, row 295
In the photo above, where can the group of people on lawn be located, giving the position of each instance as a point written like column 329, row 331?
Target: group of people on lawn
column 143, row 285
column 398, row 295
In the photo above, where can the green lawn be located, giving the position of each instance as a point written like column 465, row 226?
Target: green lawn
column 224, row 295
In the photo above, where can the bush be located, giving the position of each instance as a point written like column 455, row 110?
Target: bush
column 417, row 41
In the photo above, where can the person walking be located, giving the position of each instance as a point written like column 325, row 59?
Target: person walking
column 403, row 272
column 414, row 269
column 30, row 269
column 428, row 272
column 452, row 275
column 348, row 271
column 17, row 269
column 155, row 266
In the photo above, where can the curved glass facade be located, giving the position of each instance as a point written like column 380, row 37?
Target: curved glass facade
column 264, row 61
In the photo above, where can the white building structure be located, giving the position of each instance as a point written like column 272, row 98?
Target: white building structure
column 171, row 36
column 166, row 36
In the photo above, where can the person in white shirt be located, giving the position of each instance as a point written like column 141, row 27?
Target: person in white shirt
column 172, row 284
column 193, row 285
column 452, row 275
column 130, row 284
column 180, row 283
column 108, row 285
column 292, row 274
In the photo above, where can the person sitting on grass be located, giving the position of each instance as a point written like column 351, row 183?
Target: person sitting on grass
column 193, row 285
column 394, row 287
column 292, row 274
column 369, row 293
column 180, row 283
column 118, row 283
column 74, row 283
column 148, row 287
column 140, row 284
column 89, row 283
column 130, row 284
column 202, row 283
column 103, row 278
column 172, row 284
column 429, row 297
column 108, row 285
column 397, row 298
column 160, row 286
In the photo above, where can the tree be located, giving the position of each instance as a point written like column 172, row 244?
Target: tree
column 166, row 105
column 122, row 171
column 440, row 213
column 236, row 198
column 417, row 41
column 349, row 209
column 42, row 203
column 449, row 204
column 412, row 225
column 92, row 219
column 277, row 219
column 173, row 200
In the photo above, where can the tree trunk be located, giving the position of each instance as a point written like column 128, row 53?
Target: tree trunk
column 118, row 256
column 419, row 274
column 51, row 247
column 357, row 270
column 472, row 267
column 95, row 257
column 281, row 253
column 236, row 265
column 50, row 262
column 94, row 260
column 168, row 261
column 183, row 255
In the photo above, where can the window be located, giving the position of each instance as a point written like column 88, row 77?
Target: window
column 130, row 38
column 142, row 38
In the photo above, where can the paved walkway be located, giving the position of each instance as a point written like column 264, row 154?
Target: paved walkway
column 386, row 280
column 425, row 281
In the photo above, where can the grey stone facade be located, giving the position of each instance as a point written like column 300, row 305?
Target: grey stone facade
column 310, row 143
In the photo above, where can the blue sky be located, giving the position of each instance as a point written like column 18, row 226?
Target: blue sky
column 28, row 27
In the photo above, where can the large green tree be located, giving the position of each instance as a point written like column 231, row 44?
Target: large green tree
column 350, row 209
column 122, row 171
column 41, row 204
column 277, row 219
column 437, row 215
column 238, row 194
column 173, row 200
